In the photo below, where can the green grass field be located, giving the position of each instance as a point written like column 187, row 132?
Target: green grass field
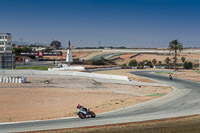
column 34, row 68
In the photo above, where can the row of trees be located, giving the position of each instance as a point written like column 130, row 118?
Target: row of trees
column 154, row 62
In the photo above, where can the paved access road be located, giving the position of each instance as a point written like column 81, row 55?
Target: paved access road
column 184, row 101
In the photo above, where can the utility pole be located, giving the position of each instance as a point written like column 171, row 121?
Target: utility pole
column 99, row 43
column 81, row 45
column 199, row 63
column 21, row 41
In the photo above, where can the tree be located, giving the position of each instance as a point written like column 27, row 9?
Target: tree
column 188, row 65
column 174, row 46
column 159, row 63
column 133, row 63
column 123, row 65
column 183, row 59
column 154, row 61
column 19, row 50
column 56, row 44
column 147, row 63
column 167, row 60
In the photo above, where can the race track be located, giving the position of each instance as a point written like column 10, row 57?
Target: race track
column 184, row 101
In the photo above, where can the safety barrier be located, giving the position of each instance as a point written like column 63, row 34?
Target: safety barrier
column 12, row 79
column 103, row 69
column 67, row 68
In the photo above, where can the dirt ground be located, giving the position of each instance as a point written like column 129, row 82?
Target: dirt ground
column 189, row 57
column 37, row 100
column 125, row 72
column 186, row 74
column 188, row 124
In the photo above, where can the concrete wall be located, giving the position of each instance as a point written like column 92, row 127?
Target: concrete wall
column 67, row 68
column 67, row 73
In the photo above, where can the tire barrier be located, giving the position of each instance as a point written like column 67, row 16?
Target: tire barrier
column 13, row 79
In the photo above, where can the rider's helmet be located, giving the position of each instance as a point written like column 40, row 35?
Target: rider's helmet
column 78, row 106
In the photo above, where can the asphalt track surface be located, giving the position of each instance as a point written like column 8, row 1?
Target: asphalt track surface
column 185, row 100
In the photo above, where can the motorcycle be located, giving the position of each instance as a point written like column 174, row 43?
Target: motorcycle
column 85, row 114
column 170, row 77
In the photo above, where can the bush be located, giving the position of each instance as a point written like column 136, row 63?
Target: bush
column 102, row 61
column 133, row 63
column 188, row 65
column 147, row 63
column 123, row 65
column 154, row 61
column 183, row 59
column 98, row 62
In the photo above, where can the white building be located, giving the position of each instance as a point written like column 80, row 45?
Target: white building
column 7, row 58
column 5, row 43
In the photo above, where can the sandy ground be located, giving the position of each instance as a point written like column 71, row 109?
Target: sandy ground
column 189, row 57
column 37, row 100
column 186, row 74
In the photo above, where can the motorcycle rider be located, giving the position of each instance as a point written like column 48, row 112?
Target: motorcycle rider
column 170, row 77
column 78, row 106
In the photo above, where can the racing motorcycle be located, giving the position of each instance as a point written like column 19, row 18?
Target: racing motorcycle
column 170, row 77
column 85, row 114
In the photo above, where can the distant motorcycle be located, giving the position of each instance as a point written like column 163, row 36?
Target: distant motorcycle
column 85, row 114
column 170, row 77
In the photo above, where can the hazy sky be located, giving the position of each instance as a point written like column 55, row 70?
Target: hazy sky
column 134, row 23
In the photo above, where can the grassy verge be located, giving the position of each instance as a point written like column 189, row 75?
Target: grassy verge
column 198, row 71
column 164, row 72
column 34, row 68
column 157, row 94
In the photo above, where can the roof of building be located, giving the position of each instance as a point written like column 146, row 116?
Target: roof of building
column 4, row 34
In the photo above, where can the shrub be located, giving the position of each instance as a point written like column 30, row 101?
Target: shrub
column 183, row 59
column 188, row 65
column 98, row 62
column 154, row 61
column 124, row 65
column 133, row 63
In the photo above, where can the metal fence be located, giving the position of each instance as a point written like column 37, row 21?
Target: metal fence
column 7, row 61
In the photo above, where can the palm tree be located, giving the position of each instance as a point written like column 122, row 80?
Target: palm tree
column 174, row 46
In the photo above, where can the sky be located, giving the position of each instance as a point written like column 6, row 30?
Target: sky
column 130, row 23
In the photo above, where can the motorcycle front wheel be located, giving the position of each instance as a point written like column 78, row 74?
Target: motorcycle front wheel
column 81, row 115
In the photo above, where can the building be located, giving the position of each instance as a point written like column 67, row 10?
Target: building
column 7, row 59
column 5, row 43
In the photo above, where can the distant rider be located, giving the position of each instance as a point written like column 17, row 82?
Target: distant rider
column 170, row 77
column 78, row 106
